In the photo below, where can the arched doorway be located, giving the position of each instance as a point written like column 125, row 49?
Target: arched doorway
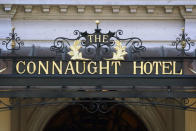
column 79, row 118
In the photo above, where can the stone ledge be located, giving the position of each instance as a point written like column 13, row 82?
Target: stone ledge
column 100, row 2
column 105, row 12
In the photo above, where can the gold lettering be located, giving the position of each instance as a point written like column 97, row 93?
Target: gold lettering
column 156, row 64
column 141, row 67
column 116, row 63
column 99, row 38
column 174, row 69
column 101, row 68
column 77, row 67
column 45, row 68
column 58, row 68
column 105, row 38
column 150, row 68
column 94, row 68
column 166, row 67
column 90, row 37
column 17, row 67
column 29, row 67
column 69, row 68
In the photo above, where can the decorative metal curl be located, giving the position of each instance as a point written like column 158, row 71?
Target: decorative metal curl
column 136, row 45
column 134, row 42
column 77, row 33
column 118, row 33
column 16, row 42
column 183, row 43
column 106, row 49
column 61, row 44
column 88, row 50
column 98, row 106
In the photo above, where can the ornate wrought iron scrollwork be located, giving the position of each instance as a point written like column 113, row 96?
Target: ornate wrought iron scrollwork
column 106, row 105
column 16, row 42
column 101, row 106
column 136, row 45
column 99, row 45
column 62, row 44
column 183, row 43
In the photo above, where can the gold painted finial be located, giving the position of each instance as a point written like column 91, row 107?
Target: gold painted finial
column 97, row 22
column 182, row 29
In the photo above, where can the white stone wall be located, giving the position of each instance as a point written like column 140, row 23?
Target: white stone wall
column 147, row 30
column 43, row 32
column 158, row 23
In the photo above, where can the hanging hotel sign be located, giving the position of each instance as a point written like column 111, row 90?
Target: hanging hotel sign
column 93, row 54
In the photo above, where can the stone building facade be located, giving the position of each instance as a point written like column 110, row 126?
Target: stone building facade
column 39, row 22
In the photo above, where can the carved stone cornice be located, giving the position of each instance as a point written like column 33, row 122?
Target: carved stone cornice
column 97, row 12
column 8, row 11
column 100, row 2
column 28, row 8
column 168, row 9
column 188, row 12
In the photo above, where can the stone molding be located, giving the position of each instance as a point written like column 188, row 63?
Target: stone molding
column 96, row 12
column 99, row 2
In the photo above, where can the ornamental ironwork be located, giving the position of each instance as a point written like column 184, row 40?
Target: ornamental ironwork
column 98, row 45
column 103, row 105
column 183, row 44
column 13, row 42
